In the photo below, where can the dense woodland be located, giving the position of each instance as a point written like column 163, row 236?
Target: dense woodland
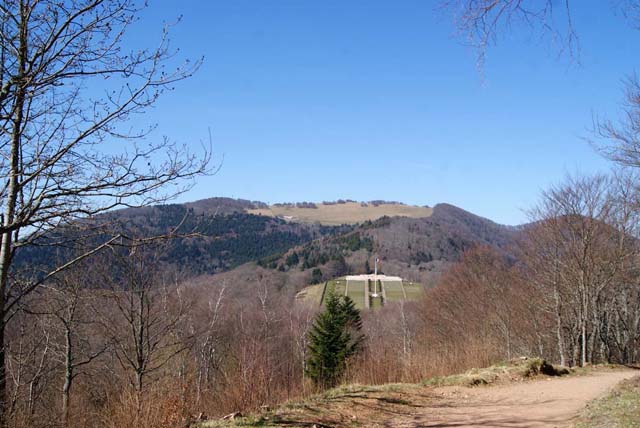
column 202, row 242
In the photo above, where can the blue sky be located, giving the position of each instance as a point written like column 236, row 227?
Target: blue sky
column 320, row 100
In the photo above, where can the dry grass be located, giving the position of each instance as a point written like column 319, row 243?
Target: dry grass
column 347, row 213
column 394, row 291
column 348, row 406
column 311, row 294
column 413, row 290
column 621, row 408
column 519, row 369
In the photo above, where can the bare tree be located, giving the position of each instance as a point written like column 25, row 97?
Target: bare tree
column 540, row 250
column 68, row 87
column 29, row 367
column 301, row 319
column 68, row 303
column 481, row 21
column 580, row 247
column 207, row 352
column 620, row 140
column 145, row 312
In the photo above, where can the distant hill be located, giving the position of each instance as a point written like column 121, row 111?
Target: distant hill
column 225, row 235
column 417, row 243
column 417, row 249
column 443, row 236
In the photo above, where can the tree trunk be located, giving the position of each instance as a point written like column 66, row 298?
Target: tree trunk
column 9, row 209
column 3, row 379
column 563, row 361
column 583, row 329
column 138, row 388
column 583, row 344
column 68, row 378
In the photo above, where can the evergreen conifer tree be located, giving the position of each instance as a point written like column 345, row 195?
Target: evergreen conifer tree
column 334, row 337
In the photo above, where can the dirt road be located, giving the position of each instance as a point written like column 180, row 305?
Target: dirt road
column 552, row 402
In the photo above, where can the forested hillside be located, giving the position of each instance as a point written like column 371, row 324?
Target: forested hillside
column 217, row 234
column 443, row 236
column 418, row 249
column 209, row 236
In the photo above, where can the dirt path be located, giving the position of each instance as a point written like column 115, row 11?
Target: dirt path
column 553, row 402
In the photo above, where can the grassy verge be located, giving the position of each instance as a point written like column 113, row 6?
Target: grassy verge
column 619, row 409
column 505, row 372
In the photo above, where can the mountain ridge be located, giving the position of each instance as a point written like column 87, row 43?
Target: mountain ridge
column 229, row 235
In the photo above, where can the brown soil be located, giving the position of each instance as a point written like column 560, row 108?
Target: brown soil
column 551, row 402
column 542, row 402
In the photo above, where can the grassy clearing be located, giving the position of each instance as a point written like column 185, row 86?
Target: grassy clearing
column 413, row 290
column 376, row 302
column 619, row 409
column 338, row 287
column 311, row 294
column 393, row 290
column 347, row 213
column 356, row 292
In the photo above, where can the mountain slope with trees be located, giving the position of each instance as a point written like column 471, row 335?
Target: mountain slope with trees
column 207, row 236
column 418, row 249
column 218, row 234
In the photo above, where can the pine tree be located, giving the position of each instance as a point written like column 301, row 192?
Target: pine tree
column 353, row 322
column 316, row 276
column 333, row 339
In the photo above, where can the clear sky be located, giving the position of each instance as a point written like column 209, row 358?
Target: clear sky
column 366, row 99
